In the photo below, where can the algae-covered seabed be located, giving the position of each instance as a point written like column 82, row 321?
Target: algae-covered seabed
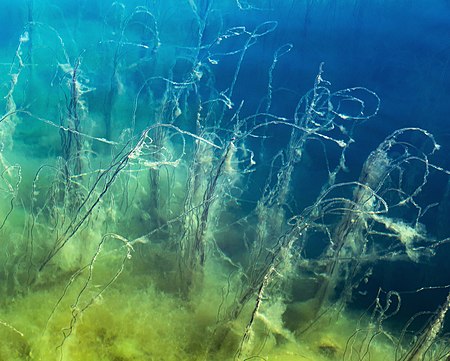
column 165, row 194
column 141, row 317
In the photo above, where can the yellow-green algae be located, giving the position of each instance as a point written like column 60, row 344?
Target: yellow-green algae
column 142, row 317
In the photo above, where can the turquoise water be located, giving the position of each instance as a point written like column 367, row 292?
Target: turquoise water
column 224, row 180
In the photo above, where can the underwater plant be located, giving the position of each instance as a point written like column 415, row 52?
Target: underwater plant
column 172, row 188
column 422, row 347
column 374, row 196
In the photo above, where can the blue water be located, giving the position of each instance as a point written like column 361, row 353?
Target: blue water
column 228, row 149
